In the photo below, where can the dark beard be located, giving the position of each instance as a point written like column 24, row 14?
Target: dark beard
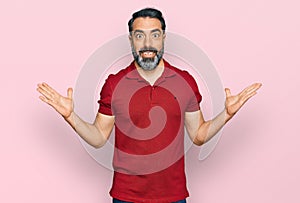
column 148, row 63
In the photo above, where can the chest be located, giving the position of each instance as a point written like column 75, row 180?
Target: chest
column 139, row 102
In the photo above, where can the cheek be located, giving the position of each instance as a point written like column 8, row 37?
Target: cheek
column 136, row 46
column 158, row 45
column 159, row 42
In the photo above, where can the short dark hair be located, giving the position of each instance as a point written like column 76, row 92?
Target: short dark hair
column 147, row 12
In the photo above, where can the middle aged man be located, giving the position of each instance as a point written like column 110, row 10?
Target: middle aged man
column 149, row 103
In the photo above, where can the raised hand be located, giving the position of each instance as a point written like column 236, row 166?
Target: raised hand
column 235, row 102
column 63, row 105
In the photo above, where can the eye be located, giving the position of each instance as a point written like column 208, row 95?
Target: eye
column 156, row 35
column 139, row 36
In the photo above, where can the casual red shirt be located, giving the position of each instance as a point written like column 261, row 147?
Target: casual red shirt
column 149, row 133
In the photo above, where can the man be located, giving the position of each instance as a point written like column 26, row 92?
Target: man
column 148, row 102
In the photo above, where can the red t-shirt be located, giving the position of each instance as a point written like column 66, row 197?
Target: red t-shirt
column 149, row 133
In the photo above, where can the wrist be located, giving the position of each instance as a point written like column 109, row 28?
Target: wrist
column 70, row 118
column 227, row 115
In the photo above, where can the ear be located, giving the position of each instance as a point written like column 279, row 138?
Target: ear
column 130, row 39
column 164, row 35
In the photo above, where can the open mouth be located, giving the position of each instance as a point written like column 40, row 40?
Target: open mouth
column 148, row 53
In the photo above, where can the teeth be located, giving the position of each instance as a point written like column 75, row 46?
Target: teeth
column 148, row 53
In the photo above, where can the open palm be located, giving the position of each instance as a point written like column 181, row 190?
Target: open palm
column 63, row 105
column 235, row 102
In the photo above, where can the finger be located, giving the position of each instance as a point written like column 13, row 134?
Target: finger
column 44, row 99
column 253, row 88
column 250, row 89
column 48, row 101
column 44, row 92
column 257, row 86
column 247, row 97
column 49, row 88
column 45, row 89
column 227, row 91
column 70, row 93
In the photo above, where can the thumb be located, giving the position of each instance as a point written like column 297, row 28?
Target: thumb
column 227, row 91
column 70, row 93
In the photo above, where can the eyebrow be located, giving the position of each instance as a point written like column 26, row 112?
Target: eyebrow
column 142, row 31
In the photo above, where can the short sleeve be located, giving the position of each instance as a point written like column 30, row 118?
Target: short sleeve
column 195, row 98
column 105, row 106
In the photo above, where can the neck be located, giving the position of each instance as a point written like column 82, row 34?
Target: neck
column 151, row 75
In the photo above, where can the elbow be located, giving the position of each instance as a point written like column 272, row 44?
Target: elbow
column 99, row 141
column 98, row 144
column 199, row 141
column 202, row 135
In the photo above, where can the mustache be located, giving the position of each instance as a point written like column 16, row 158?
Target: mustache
column 144, row 49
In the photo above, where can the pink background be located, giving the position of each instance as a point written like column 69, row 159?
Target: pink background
column 257, row 158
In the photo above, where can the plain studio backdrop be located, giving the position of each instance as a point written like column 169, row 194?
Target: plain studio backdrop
column 257, row 157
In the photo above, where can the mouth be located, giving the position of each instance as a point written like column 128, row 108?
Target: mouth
column 148, row 53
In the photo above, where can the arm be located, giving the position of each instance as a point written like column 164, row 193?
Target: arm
column 95, row 134
column 202, row 131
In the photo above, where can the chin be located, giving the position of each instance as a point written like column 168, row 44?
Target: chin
column 148, row 64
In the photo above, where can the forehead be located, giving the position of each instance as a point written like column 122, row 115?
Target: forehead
column 146, row 23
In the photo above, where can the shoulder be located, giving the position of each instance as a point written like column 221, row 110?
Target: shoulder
column 183, row 73
column 114, row 78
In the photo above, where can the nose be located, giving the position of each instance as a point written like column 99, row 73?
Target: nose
column 147, row 41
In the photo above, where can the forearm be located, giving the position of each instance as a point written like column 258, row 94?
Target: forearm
column 210, row 128
column 88, row 132
column 202, row 131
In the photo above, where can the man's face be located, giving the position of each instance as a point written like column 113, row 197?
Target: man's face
column 147, row 42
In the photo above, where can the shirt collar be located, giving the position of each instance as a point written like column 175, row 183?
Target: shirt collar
column 133, row 74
